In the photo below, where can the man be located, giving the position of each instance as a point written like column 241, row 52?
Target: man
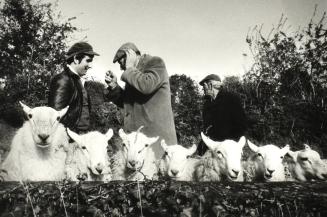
column 223, row 114
column 67, row 88
column 146, row 98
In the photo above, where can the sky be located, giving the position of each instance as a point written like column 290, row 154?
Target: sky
column 193, row 37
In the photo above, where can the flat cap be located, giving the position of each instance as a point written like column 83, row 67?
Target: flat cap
column 80, row 47
column 213, row 77
column 121, row 51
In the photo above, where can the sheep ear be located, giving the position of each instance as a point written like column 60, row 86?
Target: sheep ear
column 63, row 111
column 74, row 136
column 252, row 146
column 109, row 133
column 242, row 141
column 208, row 141
column 306, row 146
column 192, row 150
column 285, row 149
column 122, row 134
column 26, row 109
column 164, row 145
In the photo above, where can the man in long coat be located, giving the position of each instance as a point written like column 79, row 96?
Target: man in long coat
column 146, row 98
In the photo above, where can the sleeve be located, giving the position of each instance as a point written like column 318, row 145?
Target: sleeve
column 115, row 95
column 60, row 93
column 148, row 80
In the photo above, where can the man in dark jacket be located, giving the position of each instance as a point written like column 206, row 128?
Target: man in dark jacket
column 67, row 88
column 223, row 114
column 146, row 99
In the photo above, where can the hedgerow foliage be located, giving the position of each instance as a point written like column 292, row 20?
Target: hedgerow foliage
column 32, row 45
column 163, row 198
column 285, row 91
column 186, row 104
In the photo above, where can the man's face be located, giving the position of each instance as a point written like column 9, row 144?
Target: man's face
column 84, row 65
column 122, row 63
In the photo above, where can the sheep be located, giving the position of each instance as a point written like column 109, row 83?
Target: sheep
column 222, row 161
column 266, row 164
column 177, row 163
column 88, row 156
column 306, row 164
column 141, row 154
column 37, row 151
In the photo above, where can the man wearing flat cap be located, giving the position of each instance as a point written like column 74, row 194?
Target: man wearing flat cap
column 223, row 114
column 67, row 88
column 146, row 98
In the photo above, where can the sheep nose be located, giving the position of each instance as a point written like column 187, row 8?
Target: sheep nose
column 174, row 172
column 236, row 172
column 43, row 137
column 270, row 171
column 99, row 170
column 132, row 163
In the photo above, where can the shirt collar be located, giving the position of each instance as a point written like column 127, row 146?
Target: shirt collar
column 82, row 79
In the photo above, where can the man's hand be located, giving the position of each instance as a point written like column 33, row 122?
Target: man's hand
column 111, row 79
column 130, row 58
column 208, row 89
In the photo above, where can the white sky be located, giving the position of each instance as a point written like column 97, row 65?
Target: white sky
column 194, row 37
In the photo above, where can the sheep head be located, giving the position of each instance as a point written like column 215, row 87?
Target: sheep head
column 269, row 160
column 136, row 145
column 176, row 156
column 43, row 122
column 94, row 147
column 307, row 164
column 227, row 155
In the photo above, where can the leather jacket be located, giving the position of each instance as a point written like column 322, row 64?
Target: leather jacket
column 66, row 90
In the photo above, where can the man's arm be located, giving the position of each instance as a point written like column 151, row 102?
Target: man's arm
column 150, row 79
column 60, row 93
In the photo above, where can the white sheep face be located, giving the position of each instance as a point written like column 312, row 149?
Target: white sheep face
column 176, row 157
column 308, row 164
column 136, row 144
column 228, row 154
column 44, row 121
column 269, row 159
column 94, row 147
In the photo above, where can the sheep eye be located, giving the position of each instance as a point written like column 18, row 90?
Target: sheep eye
column 303, row 158
column 29, row 116
column 188, row 156
column 146, row 145
column 58, row 118
column 259, row 155
column 83, row 147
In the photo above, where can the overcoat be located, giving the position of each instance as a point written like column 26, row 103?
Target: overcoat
column 223, row 118
column 146, row 99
